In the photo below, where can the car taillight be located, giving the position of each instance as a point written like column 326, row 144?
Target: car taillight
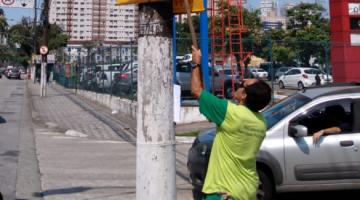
column 124, row 75
column 305, row 76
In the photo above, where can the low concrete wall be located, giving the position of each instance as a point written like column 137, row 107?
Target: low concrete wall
column 128, row 107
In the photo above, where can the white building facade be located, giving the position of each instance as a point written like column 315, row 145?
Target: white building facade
column 267, row 6
column 95, row 20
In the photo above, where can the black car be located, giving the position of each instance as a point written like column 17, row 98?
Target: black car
column 198, row 159
column 14, row 73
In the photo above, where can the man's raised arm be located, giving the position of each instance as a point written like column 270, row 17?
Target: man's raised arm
column 196, row 80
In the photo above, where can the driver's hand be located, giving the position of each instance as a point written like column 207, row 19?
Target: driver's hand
column 317, row 136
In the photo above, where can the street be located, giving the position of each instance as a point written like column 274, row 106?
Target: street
column 18, row 169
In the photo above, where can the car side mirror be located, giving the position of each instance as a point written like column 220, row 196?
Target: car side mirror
column 298, row 131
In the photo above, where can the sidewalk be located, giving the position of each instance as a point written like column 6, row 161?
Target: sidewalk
column 97, row 159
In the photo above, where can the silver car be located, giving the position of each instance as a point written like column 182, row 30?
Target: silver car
column 288, row 159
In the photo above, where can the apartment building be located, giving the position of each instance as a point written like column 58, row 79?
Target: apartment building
column 267, row 6
column 95, row 20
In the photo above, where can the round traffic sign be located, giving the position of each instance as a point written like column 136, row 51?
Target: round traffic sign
column 8, row 2
column 43, row 50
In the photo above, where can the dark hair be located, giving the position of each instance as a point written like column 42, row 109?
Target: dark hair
column 258, row 95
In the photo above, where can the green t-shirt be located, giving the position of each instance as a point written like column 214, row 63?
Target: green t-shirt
column 239, row 134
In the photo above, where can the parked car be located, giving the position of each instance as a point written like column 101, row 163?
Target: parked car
column 301, row 78
column 288, row 160
column 219, row 79
column 281, row 71
column 259, row 73
column 187, row 58
column 13, row 73
column 126, row 80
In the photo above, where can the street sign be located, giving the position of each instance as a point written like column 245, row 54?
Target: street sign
column 17, row 3
column 178, row 5
column 8, row 2
column 43, row 50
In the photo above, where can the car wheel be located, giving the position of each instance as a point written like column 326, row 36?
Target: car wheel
column 265, row 188
column 301, row 86
column 281, row 85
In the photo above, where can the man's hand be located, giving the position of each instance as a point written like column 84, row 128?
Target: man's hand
column 196, row 55
column 196, row 80
column 317, row 136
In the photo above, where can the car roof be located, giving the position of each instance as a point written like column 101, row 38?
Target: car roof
column 332, row 89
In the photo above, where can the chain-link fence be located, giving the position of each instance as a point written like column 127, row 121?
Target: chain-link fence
column 112, row 69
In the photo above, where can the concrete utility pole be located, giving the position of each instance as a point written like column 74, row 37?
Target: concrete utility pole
column 155, row 163
column 46, row 27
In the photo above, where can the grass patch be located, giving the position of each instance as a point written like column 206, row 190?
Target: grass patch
column 189, row 134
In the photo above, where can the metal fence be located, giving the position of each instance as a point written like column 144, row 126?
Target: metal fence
column 112, row 69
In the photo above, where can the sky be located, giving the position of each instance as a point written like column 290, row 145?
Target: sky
column 14, row 15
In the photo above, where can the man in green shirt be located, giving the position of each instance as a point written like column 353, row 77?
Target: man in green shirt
column 240, row 132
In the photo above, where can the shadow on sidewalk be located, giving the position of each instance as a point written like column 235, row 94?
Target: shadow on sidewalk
column 72, row 190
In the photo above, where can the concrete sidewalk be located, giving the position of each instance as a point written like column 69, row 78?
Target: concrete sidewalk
column 86, row 153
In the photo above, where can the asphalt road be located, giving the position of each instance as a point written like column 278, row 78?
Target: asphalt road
column 18, row 166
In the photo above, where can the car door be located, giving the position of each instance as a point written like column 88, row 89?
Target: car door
column 295, row 78
column 288, row 77
column 335, row 158
column 183, row 76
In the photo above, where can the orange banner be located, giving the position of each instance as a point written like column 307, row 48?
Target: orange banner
column 195, row 6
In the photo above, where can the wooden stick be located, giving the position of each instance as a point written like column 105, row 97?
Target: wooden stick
column 191, row 26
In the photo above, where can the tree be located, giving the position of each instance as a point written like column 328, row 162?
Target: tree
column 310, row 31
column 183, row 35
column 22, row 34
column 3, row 32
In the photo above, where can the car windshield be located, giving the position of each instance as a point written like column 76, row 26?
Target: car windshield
column 282, row 109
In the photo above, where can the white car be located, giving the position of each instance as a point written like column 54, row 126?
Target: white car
column 259, row 73
column 301, row 78
column 186, row 58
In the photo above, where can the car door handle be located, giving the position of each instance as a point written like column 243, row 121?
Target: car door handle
column 347, row 143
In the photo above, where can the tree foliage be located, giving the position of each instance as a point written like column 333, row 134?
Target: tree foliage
column 21, row 40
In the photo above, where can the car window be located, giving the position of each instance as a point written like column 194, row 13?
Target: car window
column 312, row 71
column 280, row 110
column 296, row 71
column 183, row 68
column 337, row 113
column 103, row 76
column 284, row 69
column 291, row 72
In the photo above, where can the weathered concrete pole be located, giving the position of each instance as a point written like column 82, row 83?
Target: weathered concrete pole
column 155, row 164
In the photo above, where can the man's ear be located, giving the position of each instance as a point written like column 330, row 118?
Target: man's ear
column 243, row 96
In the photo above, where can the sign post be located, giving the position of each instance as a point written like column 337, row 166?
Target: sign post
column 43, row 51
